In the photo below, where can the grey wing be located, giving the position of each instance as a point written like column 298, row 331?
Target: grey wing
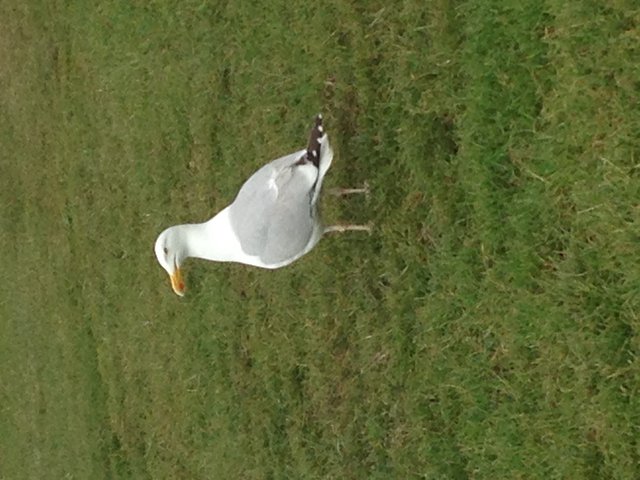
column 272, row 214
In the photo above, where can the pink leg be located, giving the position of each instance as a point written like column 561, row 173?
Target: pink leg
column 349, row 227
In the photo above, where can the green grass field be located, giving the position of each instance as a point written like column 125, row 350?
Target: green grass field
column 487, row 329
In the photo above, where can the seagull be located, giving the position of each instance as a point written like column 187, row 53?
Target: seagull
column 272, row 222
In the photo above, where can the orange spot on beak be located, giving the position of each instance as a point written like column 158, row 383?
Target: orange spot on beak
column 177, row 283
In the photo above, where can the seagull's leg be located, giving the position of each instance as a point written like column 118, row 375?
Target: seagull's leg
column 348, row 227
column 339, row 192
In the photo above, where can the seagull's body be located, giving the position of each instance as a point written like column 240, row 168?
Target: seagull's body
column 272, row 222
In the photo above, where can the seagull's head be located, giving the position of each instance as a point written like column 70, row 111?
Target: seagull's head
column 170, row 253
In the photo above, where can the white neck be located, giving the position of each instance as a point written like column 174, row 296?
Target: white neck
column 212, row 240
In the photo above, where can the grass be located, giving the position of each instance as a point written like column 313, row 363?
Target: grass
column 487, row 329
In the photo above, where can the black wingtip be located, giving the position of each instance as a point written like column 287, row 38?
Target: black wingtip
column 313, row 148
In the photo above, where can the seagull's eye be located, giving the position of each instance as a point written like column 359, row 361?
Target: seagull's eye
column 166, row 250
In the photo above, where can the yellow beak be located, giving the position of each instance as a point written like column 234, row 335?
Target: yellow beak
column 177, row 283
